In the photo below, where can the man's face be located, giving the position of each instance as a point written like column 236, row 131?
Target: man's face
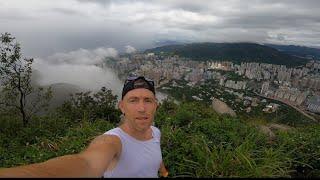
column 139, row 106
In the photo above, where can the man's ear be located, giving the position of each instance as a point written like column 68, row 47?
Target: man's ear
column 120, row 106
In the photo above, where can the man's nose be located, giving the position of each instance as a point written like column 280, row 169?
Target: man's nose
column 141, row 107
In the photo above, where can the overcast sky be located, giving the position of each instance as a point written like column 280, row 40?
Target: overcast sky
column 45, row 27
column 57, row 29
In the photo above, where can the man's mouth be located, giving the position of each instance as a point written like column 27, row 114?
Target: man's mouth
column 142, row 118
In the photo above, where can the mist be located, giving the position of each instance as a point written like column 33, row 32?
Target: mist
column 84, row 68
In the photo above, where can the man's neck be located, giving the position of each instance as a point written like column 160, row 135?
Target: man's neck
column 140, row 135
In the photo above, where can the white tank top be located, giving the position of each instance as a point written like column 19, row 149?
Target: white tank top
column 137, row 158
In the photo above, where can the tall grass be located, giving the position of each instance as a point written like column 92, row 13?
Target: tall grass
column 45, row 138
column 196, row 142
column 208, row 145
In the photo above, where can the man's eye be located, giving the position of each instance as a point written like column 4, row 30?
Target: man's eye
column 132, row 100
column 149, row 100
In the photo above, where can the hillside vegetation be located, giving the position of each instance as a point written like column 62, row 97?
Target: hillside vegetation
column 235, row 52
column 196, row 142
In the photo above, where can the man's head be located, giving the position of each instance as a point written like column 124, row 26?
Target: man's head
column 138, row 103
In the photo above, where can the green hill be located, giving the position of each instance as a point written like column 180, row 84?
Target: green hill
column 235, row 52
column 300, row 51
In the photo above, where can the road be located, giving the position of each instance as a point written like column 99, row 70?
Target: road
column 296, row 108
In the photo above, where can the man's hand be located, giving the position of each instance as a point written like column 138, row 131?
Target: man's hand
column 163, row 171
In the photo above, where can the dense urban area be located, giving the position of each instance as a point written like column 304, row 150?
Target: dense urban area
column 242, row 86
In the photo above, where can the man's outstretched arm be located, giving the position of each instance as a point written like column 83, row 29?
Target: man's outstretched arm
column 55, row 167
column 92, row 162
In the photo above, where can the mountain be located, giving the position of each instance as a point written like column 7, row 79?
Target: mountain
column 299, row 51
column 61, row 92
column 235, row 52
column 166, row 43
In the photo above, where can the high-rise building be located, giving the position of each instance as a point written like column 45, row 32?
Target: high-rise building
column 264, row 87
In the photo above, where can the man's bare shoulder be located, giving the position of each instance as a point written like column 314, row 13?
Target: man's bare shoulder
column 106, row 139
column 101, row 151
column 102, row 147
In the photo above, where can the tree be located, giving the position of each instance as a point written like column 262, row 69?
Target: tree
column 15, row 81
column 91, row 106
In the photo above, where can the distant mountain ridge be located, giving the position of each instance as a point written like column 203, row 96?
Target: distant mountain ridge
column 235, row 52
column 300, row 51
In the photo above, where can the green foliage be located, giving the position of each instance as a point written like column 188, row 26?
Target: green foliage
column 83, row 105
column 195, row 142
column 199, row 143
column 284, row 115
column 290, row 116
column 304, row 145
column 45, row 138
column 15, row 82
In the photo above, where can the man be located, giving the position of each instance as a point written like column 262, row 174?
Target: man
column 130, row 150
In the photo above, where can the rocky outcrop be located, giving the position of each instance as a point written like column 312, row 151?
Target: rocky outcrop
column 269, row 128
column 267, row 131
column 222, row 108
column 279, row 127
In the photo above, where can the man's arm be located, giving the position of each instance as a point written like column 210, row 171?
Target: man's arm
column 92, row 162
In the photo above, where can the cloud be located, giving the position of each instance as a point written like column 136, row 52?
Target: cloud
column 46, row 27
column 83, row 56
column 130, row 49
column 280, row 37
column 82, row 67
